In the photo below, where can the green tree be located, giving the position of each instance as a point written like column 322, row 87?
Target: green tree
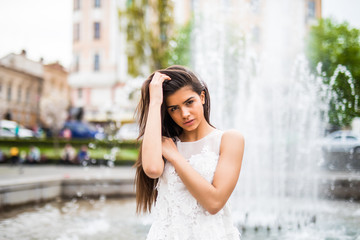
column 337, row 47
column 180, row 46
column 136, row 34
column 152, row 38
column 160, row 33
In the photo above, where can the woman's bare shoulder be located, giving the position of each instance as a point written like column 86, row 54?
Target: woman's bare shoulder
column 232, row 140
column 233, row 135
column 232, row 145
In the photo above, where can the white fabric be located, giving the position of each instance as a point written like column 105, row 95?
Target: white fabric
column 178, row 215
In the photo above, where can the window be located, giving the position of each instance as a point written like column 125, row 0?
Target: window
column 130, row 2
column 96, row 62
column 255, row 6
column 27, row 118
column 351, row 138
column 77, row 4
column 76, row 31
column 9, row 93
column 256, row 34
column 97, row 3
column 311, row 9
column 28, row 95
column 96, row 30
column 19, row 95
column 80, row 93
column 77, row 63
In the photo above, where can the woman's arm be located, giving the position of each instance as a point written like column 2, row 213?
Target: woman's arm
column 212, row 196
column 152, row 161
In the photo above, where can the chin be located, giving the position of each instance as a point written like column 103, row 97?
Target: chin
column 188, row 129
column 191, row 128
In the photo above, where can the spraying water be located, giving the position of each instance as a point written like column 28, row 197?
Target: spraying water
column 250, row 54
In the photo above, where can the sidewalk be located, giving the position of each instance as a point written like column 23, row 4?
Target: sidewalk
column 25, row 173
column 27, row 183
column 22, row 184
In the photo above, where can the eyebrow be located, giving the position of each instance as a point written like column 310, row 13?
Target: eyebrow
column 183, row 102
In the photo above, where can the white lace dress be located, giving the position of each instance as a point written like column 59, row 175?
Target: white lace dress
column 177, row 214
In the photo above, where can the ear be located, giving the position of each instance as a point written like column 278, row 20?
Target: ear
column 202, row 97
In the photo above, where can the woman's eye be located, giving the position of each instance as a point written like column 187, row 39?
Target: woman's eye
column 190, row 102
column 172, row 109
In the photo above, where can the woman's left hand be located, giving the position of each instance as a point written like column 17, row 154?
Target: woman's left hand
column 169, row 149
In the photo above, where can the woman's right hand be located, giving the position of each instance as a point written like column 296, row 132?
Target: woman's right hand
column 155, row 87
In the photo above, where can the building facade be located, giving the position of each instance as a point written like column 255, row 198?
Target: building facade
column 32, row 93
column 98, row 70
column 20, row 88
column 55, row 98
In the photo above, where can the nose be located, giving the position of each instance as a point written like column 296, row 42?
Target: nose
column 185, row 113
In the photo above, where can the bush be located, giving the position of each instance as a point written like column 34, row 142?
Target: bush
column 100, row 151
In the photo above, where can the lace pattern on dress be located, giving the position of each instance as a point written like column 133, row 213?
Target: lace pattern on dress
column 177, row 213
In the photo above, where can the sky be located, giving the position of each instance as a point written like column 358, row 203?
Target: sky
column 44, row 27
column 342, row 10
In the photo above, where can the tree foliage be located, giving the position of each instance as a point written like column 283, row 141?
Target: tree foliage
column 153, row 40
column 179, row 50
column 337, row 47
column 136, row 35
column 160, row 32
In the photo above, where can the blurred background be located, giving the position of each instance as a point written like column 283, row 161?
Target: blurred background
column 284, row 73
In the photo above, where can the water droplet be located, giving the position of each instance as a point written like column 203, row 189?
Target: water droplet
column 92, row 145
column 110, row 164
column 102, row 198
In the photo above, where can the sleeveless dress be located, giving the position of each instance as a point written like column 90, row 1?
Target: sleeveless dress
column 178, row 215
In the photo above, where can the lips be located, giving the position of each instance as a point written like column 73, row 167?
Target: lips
column 189, row 122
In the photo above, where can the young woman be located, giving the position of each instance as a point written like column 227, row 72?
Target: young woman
column 186, row 167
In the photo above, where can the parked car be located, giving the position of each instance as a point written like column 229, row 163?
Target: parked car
column 128, row 131
column 6, row 133
column 342, row 141
column 81, row 130
column 8, row 129
column 341, row 150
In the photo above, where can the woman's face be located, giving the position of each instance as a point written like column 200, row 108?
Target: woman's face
column 186, row 108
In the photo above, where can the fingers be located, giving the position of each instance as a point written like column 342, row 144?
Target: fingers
column 160, row 77
column 164, row 76
column 166, row 140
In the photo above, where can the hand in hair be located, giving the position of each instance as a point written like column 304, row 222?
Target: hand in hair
column 151, row 160
column 155, row 87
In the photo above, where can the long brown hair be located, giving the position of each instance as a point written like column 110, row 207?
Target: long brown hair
column 146, row 192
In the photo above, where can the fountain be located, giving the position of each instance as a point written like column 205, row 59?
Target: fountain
column 260, row 82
